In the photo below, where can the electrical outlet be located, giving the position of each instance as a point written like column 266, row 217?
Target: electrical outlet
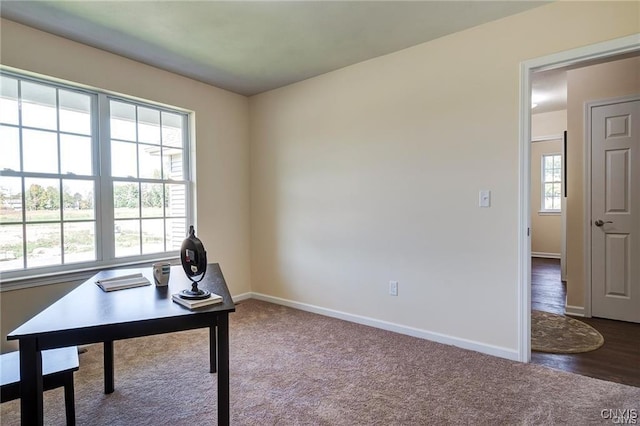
column 393, row 288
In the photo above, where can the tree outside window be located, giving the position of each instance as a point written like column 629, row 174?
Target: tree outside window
column 75, row 193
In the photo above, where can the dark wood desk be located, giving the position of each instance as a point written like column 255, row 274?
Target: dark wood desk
column 89, row 315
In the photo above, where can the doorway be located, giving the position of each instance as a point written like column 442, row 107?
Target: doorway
column 610, row 146
column 573, row 58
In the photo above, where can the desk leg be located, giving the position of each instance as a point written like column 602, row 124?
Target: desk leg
column 30, row 383
column 213, row 346
column 108, row 367
column 223, row 369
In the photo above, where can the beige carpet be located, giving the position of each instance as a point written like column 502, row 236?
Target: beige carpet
column 560, row 334
column 290, row 367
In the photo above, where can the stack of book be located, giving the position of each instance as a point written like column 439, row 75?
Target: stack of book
column 197, row 303
column 122, row 282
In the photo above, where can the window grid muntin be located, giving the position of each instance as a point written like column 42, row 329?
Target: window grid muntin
column 59, row 177
column 104, row 253
column 162, row 180
column 556, row 201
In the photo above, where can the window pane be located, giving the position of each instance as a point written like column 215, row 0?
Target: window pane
column 557, row 161
column 75, row 112
column 11, row 255
column 148, row 125
column 39, row 106
column 123, row 159
column 152, row 236
column 49, row 145
column 43, row 244
column 40, row 151
column 10, row 199
column 75, row 155
column 176, row 200
column 548, row 203
column 123, row 121
column 78, row 199
column 552, row 181
column 172, row 163
column 176, row 230
column 8, row 100
column 42, row 199
column 126, row 200
column 10, row 148
column 149, row 156
column 79, row 242
column 127, row 236
column 152, row 200
column 172, row 129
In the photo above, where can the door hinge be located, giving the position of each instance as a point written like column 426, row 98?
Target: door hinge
column 528, row 232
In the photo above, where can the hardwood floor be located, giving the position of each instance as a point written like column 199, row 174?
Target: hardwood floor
column 618, row 360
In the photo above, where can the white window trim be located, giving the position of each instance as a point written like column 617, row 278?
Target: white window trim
column 543, row 211
column 55, row 274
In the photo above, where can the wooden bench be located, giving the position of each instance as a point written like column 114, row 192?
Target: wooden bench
column 58, row 366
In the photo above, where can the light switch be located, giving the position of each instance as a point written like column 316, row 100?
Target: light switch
column 485, row 198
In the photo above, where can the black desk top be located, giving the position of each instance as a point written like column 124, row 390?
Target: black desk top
column 88, row 306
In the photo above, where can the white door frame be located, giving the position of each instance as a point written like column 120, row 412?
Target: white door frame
column 562, row 59
column 588, row 106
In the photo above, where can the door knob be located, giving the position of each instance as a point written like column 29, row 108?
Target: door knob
column 600, row 222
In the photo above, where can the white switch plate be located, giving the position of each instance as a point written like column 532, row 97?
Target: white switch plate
column 485, row 198
column 393, row 288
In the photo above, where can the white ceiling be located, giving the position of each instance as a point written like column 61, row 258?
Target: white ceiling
column 549, row 90
column 250, row 47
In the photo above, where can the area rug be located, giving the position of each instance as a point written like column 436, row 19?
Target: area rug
column 559, row 334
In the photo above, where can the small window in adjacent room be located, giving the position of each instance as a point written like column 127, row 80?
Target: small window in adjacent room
column 551, row 183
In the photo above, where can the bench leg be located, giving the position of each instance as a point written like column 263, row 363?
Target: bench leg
column 69, row 399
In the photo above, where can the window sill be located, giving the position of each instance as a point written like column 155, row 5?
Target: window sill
column 80, row 275
column 549, row 212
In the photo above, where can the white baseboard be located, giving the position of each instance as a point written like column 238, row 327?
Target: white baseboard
column 498, row 351
column 576, row 311
column 240, row 297
column 546, row 255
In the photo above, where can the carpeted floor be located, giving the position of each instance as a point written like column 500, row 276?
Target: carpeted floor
column 290, row 367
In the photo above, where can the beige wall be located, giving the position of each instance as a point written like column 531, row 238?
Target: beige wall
column 371, row 173
column 609, row 80
column 546, row 229
column 222, row 146
column 548, row 124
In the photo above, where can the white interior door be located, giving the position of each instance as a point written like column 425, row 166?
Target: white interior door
column 615, row 216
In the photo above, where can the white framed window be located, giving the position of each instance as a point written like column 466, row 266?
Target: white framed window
column 551, row 183
column 88, row 179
